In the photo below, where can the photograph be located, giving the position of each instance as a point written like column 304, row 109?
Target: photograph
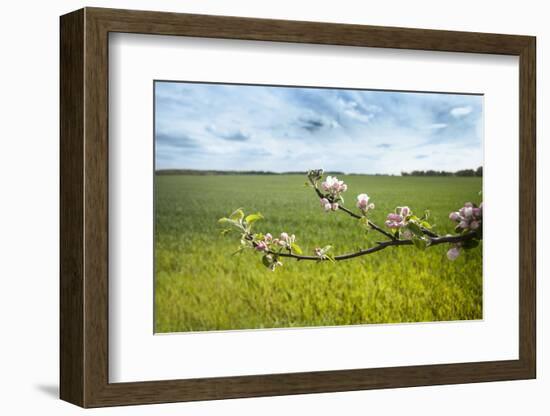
column 298, row 206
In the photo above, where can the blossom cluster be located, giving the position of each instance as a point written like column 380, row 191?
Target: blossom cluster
column 468, row 217
column 398, row 219
column 334, row 187
column 284, row 241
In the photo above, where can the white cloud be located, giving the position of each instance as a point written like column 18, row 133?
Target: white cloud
column 437, row 126
column 458, row 112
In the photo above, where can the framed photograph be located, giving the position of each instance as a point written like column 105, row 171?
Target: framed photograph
column 255, row 207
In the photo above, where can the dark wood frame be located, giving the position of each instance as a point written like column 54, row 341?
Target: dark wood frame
column 84, row 207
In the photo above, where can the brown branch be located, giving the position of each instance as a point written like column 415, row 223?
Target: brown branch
column 381, row 246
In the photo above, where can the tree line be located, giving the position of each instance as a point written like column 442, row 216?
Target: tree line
column 463, row 172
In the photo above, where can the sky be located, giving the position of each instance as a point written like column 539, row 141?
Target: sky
column 273, row 128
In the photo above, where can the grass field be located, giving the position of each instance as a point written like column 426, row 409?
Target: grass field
column 200, row 286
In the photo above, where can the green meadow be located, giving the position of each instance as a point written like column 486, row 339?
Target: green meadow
column 201, row 286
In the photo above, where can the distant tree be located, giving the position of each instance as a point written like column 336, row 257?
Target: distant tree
column 432, row 172
column 465, row 172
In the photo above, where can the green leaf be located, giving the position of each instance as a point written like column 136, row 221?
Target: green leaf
column 330, row 258
column 415, row 229
column 419, row 243
column 296, row 248
column 266, row 260
column 241, row 248
column 224, row 232
column 426, row 214
column 237, row 215
column 469, row 244
column 224, row 220
column 426, row 224
column 252, row 218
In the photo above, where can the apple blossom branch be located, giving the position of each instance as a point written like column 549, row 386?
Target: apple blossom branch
column 381, row 246
column 405, row 228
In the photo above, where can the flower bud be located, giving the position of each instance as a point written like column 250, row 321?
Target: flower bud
column 362, row 201
column 261, row 246
column 453, row 253
column 407, row 234
column 454, row 216
column 405, row 211
column 334, row 206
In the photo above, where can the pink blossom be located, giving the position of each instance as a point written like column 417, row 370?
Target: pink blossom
column 405, row 211
column 362, row 202
column 453, row 253
column 261, row 246
column 268, row 237
column 463, row 224
column 325, row 203
column 334, row 206
column 333, row 186
column 285, row 240
column 393, row 224
column 469, row 217
column 394, row 217
column 394, row 220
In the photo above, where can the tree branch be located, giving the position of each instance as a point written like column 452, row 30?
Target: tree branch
column 356, row 216
column 381, row 246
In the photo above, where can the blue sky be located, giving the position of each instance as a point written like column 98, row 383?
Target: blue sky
column 240, row 127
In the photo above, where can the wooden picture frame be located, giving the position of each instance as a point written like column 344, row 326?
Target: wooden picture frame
column 84, row 207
